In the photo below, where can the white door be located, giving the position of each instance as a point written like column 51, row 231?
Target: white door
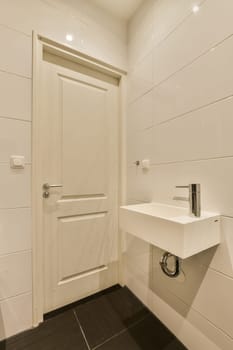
column 79, row 121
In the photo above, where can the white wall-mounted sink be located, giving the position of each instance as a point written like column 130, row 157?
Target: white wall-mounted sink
column 171, row 228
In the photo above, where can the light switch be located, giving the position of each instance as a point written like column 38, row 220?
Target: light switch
column 17, row 162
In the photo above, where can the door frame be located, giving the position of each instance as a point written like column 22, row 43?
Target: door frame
column 41, row 43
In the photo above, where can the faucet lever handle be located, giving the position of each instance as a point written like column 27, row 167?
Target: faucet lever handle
column 182, row 186
column 179, row 198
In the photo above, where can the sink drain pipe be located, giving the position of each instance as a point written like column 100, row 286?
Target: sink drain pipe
column 177, row 265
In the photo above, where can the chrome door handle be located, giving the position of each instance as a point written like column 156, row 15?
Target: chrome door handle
column 46, row 187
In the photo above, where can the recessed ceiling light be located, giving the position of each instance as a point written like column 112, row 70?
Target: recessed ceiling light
column 69, row 37
column 195, row 8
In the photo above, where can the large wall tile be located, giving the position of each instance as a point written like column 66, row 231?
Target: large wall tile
column 203, row 134
column 169, row 14
column 207, row 80
column 15, row 274
column 139, row 145
column 138, row 255
column 141, row 33
column 15, row 139
column 15, row 95
column 15, row 315
column 140, row 78
column 223, row 258
column 217, row 338
column 139, row 184
column 15, row 230
column 220, row 258
column 16, row 52
column 140, row 113
column 15, row 187
column 214, row 300
column 170, row 56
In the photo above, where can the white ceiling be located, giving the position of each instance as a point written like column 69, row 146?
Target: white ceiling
column 123, row 9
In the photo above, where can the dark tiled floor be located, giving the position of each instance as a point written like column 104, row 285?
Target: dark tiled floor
column 112, row 320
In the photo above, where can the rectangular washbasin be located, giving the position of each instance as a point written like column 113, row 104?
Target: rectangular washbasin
column 171, row 228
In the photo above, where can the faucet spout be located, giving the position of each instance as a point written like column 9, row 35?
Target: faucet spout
column 194, row 198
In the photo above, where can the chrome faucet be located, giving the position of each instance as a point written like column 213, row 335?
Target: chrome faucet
column 194, row 198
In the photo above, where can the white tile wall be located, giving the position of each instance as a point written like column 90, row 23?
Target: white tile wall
column 95, row 33
column 140, row 113
column 15, row 138
column 16, row 53
column 170, row 56
column 182, row 120
column 15, row 270
column 196, row 85
column 20, row 88
column 15, row 187
column 15, row 230
column 140, row 79
column 15, row 315
column 202, row 134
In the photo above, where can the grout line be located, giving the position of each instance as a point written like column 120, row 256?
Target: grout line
column 160, row 42
column 222, row 99
column 182, row 21
column 218, row 272
column 227, row 216
column 131, row 102
column 16, row 74
column 212, row 324
column 189, row 306
column 109, row 339
column 29, row 292
column 82, row 331
column 191, row 160
column 183, row 161
column 16, row 118
column 14, row 208
column 123, row 330
column 16, row 30
column 204, row 53
column 18, row 252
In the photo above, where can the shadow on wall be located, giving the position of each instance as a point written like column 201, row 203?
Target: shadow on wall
column 179, row 293
column 2, row 332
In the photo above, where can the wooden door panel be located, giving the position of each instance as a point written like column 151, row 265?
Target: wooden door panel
column 84, row 138
column 80, row 206
column 82, row 246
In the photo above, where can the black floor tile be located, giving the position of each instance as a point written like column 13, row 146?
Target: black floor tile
column 71, row 306
column 104, row 317
column 98, row 321
column 59, row 333
column 175, row 345
column 112, row 320
column 149, row 334
column 128, row 308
